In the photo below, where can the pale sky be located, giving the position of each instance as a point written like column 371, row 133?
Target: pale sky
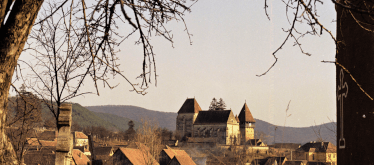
column 232, row 43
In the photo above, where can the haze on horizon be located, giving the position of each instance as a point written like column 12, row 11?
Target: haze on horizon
column 233, row 42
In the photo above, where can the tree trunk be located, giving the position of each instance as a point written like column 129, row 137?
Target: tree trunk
column 13, row 35
column 355, row 110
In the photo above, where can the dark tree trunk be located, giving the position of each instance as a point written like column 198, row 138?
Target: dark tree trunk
column 355, row 110
column 13, row 35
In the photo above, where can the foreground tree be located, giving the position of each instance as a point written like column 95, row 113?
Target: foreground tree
column 98, row 21
column 354, row 80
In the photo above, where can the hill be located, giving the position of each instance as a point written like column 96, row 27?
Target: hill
column 163, row 119
column 282, row 134
column 84, row 118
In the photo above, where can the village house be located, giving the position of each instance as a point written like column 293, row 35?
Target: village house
column 168, row 154
column 219, row 126
column 80, row 139
column 131, row 156
column 317, row 152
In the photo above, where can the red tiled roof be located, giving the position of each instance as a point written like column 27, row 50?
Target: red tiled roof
column 138, row 157
column 80, row 135
column 184, row 160
column 80, row 158
column 190, row 106
column 171, row 152
column 245, row 115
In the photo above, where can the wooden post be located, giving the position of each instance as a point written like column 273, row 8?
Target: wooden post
column 65, row 138
column 355, row 109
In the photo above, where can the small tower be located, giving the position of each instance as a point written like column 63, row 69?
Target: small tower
column 247, row 124
column 186, row 117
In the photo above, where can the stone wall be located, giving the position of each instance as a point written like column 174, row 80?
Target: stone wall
column 185, row 124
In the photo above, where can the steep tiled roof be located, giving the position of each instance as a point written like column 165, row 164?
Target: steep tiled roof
column 183, row 160
column 245, row 115
column 190, row 106
column 80, row 135
column 79, row 158
column 318, row 147
column 213, row 117
column 171, row 152
column 136, row 156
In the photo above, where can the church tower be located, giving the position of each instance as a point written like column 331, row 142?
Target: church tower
column 186, row 117
column 247, row 124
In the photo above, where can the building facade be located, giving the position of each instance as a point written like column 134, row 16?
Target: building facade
column 220, row 126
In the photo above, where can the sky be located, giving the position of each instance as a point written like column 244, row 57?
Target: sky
column 232, row 42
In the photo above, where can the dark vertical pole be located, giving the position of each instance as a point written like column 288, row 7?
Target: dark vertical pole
column 355, row 109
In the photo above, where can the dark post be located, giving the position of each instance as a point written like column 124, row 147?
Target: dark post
column 355, row 108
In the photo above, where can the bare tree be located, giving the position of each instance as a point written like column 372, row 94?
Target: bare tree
column 97, row 23
column 23, row 124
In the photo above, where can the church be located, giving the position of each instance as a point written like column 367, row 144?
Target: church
column 221, row 126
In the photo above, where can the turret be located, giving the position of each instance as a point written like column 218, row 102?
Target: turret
column 247, row 124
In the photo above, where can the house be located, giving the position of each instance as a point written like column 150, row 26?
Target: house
column 181, row 160
column 80, row 139
column 316, row 152
column 79, row 158
column 166, row 155
column 221, row 126
column 131, row 156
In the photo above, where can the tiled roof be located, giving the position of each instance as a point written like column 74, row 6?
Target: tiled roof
column 245, row 115
column 172, row 152
column 183, row 160
column 212, row 117
column 80, row 158
column 318, row 147
column 136, row 156
column 190, row 106
column 80, row 135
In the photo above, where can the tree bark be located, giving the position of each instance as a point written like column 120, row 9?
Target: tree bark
column 355, row 110
column 13, row 35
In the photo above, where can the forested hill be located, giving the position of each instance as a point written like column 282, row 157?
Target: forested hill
column 163, row 119
column 283, row 134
